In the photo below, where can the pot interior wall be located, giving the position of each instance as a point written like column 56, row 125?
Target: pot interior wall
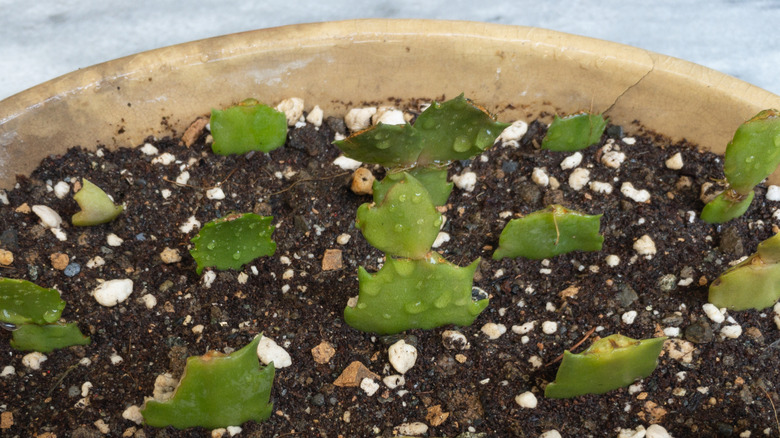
column 517, row 72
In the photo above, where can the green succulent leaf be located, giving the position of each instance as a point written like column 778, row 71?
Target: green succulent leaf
column 233, row 241
column 609, row 363
column 754, row 152
column 48, row 337
column 550, row 232
column 574, row 133
column 96, row 207
column 23, row 302
column 407, row 294
column 217, row 391
column 752, row 284
column 388, row 145
column 453, row 130
column 248, row 126
column 405, row 223
column 433, row 179
column 726, row 206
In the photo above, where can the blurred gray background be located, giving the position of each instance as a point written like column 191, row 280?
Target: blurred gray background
column 43, row 39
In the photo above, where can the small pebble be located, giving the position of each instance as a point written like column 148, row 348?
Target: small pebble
column 455, row 340
column 369, row 386
column 524, row 328
column 613, row 159
column 165, row 159
column 441, row 239
column 773, row 193
column 170, row 255
column 540, row 177
column 526, row 400
column 394, row 381
column 657, row 431
column 133, row 413
column 269, row 351
column 629, row 317
column 292, row 109
column 34, row 360
column 549, row 327
column 612, row 260
column 114, row 240
column 215, row 193
column 72, row 270
column 95, row 262
column 112, row 292
column 550, row 434
column 183, row 178
column 59, row 261
column 149, row 301
column 49, row 218
column 149, row 149
column 358, row 119
column 343, row 239
column 493, row 331
column 61, row 189
column 465, row 181
column 347, row 163
column 713, row 313
column 234, row 430
column 362, row 181
column 731, row 331
column 675, row 162
column 579, row 178
column 513, row 133
column 8, row 371
column 402, row 356
column 388, row 115
column 645, row 246
column 412, row 429
column 628, row 190
column 600, row 187
column 315, row 116
column 571, row 161
column 6, row 257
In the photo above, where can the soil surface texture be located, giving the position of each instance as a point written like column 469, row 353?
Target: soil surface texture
column 708, row 382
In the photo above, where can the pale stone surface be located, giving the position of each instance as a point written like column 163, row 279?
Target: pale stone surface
column 402, row 356
column 269, row 351
column 112, row 292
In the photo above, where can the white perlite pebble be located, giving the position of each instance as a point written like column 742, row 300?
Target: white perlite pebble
column 112, row 292
column 233, row 430
column 347, row 163
column 358, row 119
column 540, row 177
column 269, row 351
column 465, row 181
column 49, row 218
column 657, row 431
column 628, row 190
column 165, row 159
column 34, row 360
column 165, row 193
column 579, row 178
column 777, row 315
column 713, row 313
column 388, row 115
column 402, row 356
column 116, row 359
column 343, row 239
column 493, row 330
column 394, row 381
column 455, row 340
column 369, row 386
column 95, row 262
column 208, row 278
column 85, row 388
column 731, row 331
column 216, row 193
column 645, row 246
column 149, row 149
column 133, row 413
column 412, row 429
column 675, row 162
column 524, row 328
column 571, row 161
column 549, row 327
column 526, row 400
column 600, row 187
column 773, row 193
column 513, row 133
column 61, row 189
column 441, row 239
column 550, row 434
column 613, row 159
column 149, row 301
column 190, row 225
column 183, row 178
column 315, row 116
column 292, row 109
column 629, row 317
column 114, row 240
column 612, row 260
column 8, row 371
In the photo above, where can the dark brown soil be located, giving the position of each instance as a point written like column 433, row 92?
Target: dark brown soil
column 728, row 388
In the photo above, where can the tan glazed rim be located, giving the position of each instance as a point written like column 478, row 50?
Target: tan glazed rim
column 514, row 71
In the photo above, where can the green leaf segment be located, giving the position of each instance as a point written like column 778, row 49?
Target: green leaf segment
column 233, row 241
column 752, row 155
column 96, row 207
column 609, row 363
column 34, row 312
column 217, row 391
column 574, row 132
column 752, row 284
column 416, row 288
column 248, row 126
column 550, row 232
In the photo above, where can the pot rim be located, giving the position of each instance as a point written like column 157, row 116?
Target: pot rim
column 516, row 71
